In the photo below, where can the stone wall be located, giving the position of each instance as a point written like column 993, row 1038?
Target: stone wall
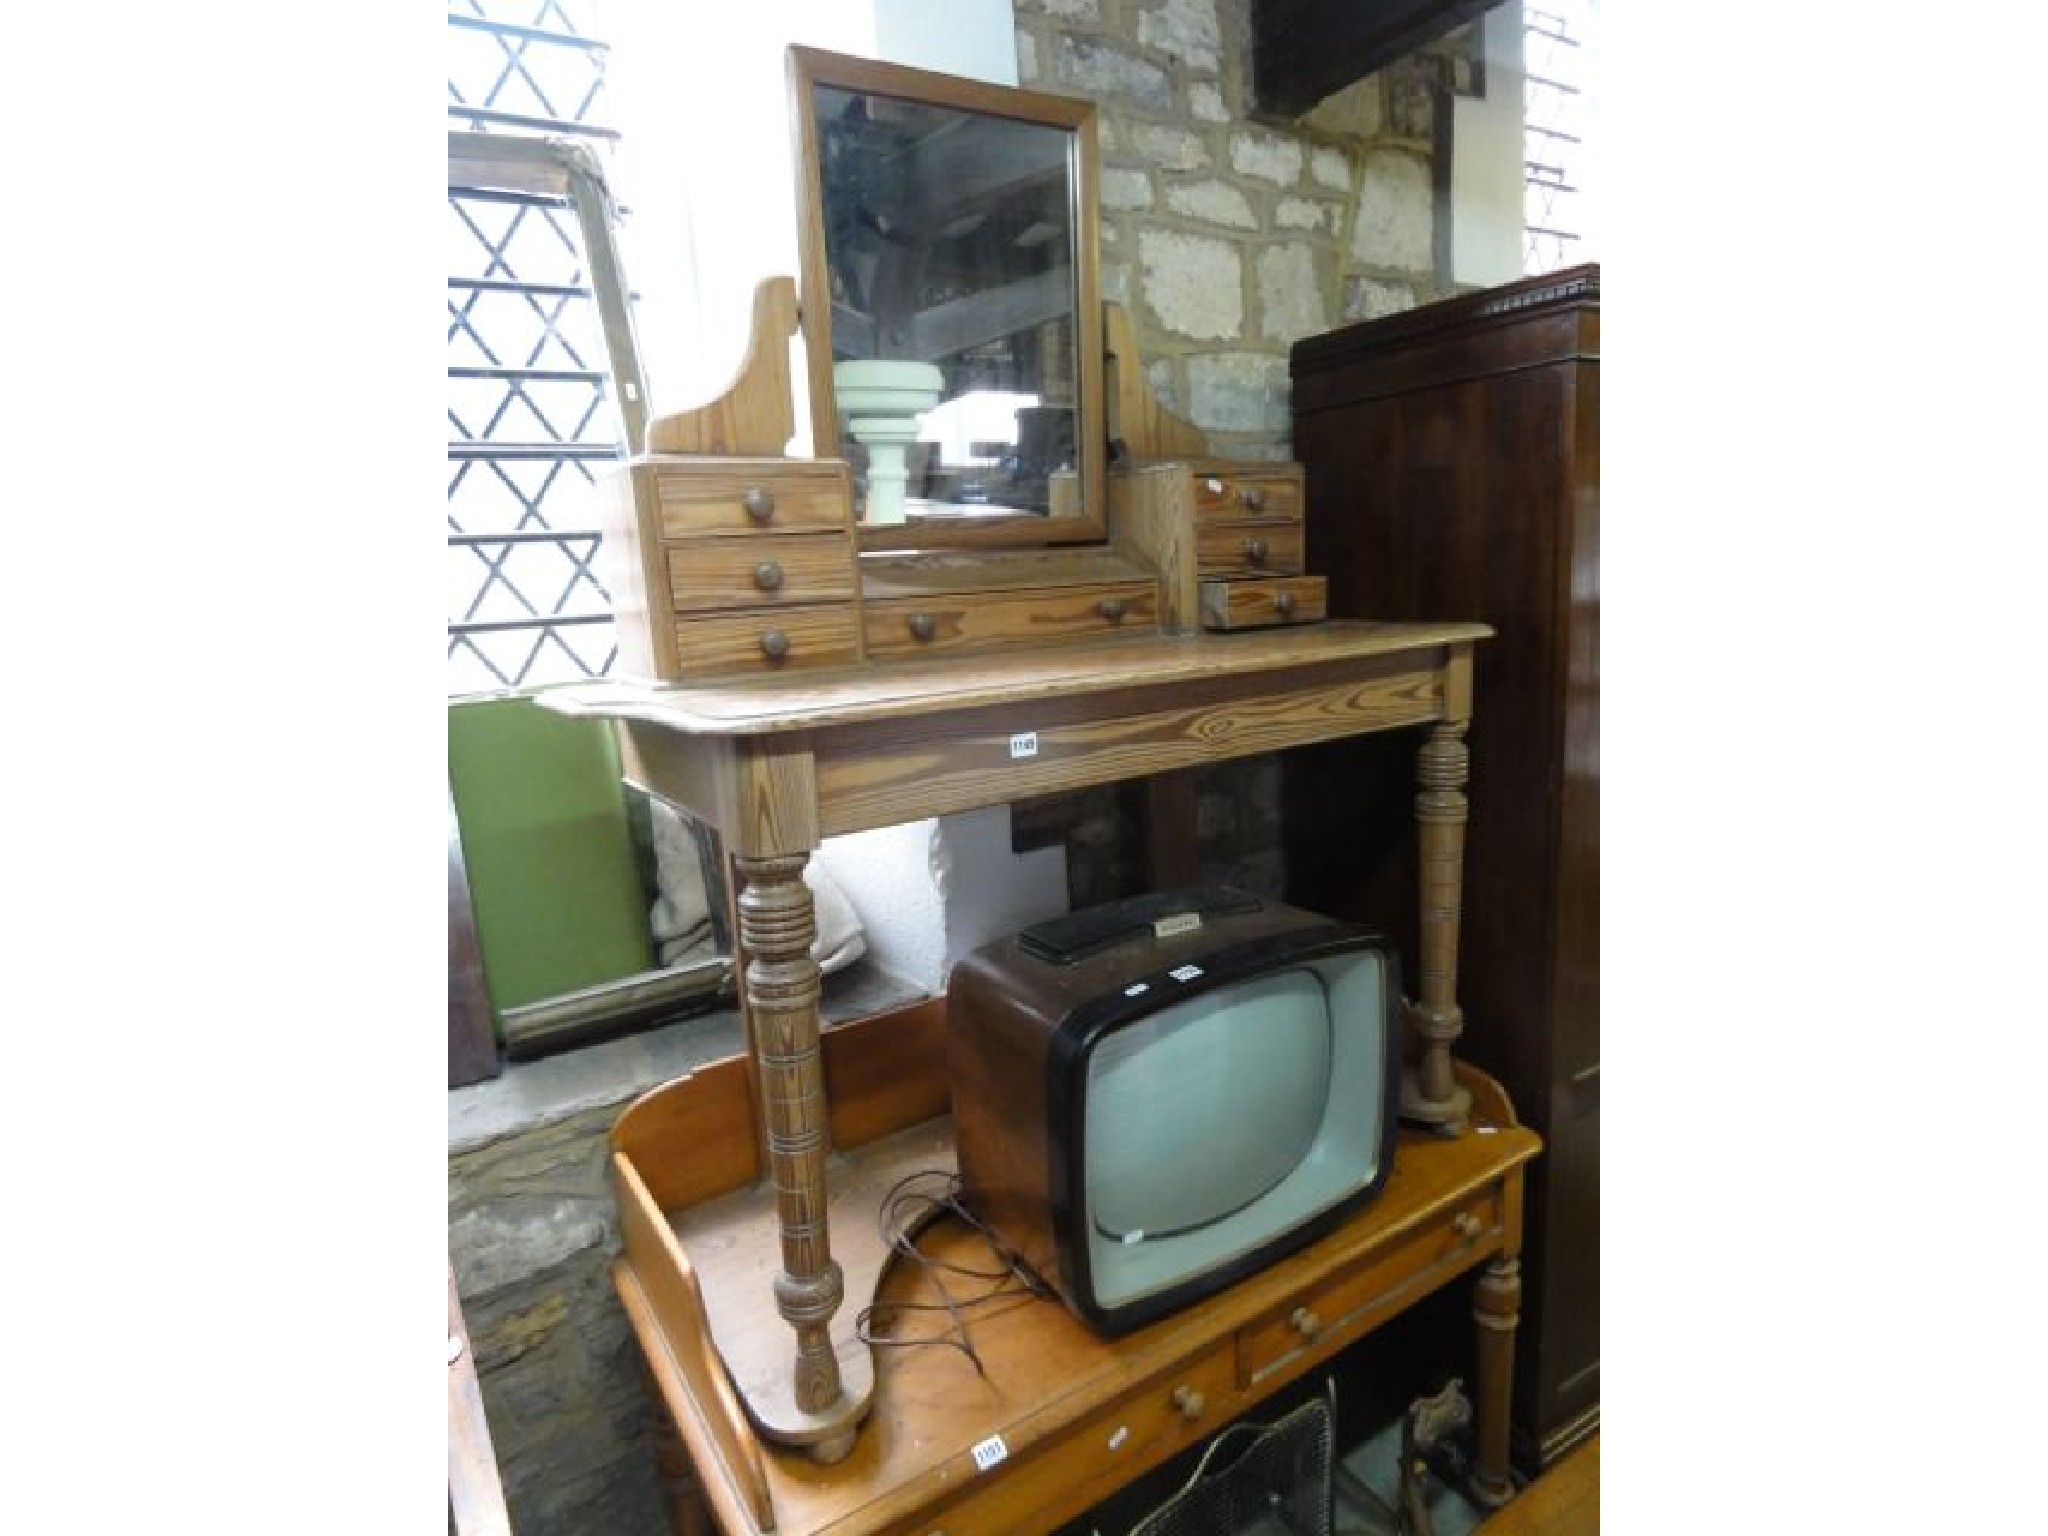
column 1230, row 239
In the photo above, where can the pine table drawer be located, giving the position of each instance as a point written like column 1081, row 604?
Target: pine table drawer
column 911, row 626
column 1037, row 1486
column 1226, row 497
column 1258, row 602
column 1347, row 1305
column 782, row 640
column 770, row 496
column 1249, row 548
column 767, row 571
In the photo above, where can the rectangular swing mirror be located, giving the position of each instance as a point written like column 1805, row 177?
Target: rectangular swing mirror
column 949, row 295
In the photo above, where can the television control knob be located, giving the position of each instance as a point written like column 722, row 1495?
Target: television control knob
column 1466, row 1226
column 1306, row 1323
column 923, row 626
column 1189, row 1402
column 774, row 645
column 768, row 576
column 758, row 502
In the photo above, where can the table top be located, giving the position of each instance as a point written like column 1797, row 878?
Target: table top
column 855, row 695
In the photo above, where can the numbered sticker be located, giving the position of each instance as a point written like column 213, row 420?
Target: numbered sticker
column 991, row 1452
column 1024, row 744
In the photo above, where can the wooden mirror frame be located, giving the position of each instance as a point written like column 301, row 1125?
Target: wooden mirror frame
column 813, row 67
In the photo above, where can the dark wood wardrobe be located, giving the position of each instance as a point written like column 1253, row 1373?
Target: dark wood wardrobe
column 1453, row 471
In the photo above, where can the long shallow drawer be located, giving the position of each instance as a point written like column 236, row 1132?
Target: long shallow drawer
column 1250, row 549
column 900, row 627
column 796, row 497
column 784, row 640
column 761, row 572
column 1346, row 1305
column 1224, row 497
column 1069, row 1473
column 1259, row 601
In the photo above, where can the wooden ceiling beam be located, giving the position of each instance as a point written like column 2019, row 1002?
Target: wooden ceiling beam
column 1305, row 50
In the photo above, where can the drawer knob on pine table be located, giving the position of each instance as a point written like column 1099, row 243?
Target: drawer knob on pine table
column 1255, row 551
column 1251, row 497
column 1283, row 604
column 768, row 576
column 1112, row 609
column 1306, row 1323
column 775, row 645
column 1189, row 1401
column 922, row 626
column 758, row 503
column 1466, row 1226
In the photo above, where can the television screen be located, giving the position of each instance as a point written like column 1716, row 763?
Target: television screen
column 1234, row 1114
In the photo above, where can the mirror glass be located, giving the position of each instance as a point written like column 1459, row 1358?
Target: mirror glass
column 950, row 241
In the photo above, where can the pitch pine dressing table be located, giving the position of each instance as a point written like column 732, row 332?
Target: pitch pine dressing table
column 789, row 676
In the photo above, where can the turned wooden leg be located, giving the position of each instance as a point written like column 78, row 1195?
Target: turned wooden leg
column 1430, row 1094
column 777, row 927
column 1496, row 1310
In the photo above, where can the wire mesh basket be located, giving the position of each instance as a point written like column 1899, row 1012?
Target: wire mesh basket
column 1278, row 1484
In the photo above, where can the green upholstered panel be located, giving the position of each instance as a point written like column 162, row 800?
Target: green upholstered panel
column 553, row 874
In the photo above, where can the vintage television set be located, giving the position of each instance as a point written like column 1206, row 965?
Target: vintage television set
column 1159, row 1096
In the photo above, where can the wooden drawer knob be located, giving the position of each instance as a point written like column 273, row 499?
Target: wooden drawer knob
column 923, row 626
column 1189, row 1402
column 1251, row 497
column 1283, row 604
column 1255, row 551
column 1112, row 609
column 1305, row 1323
column 775, row 645
column 1466, row 1225
column 758, row 502
column 768, row 576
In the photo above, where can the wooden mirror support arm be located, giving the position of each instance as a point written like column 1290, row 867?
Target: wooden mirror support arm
column 753, row 418
column 1140, row 426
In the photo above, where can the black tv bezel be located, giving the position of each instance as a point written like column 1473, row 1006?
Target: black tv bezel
column 1073, row 1042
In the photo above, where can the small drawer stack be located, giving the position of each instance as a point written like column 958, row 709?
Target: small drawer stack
column 1226, row 538
column 733, row 567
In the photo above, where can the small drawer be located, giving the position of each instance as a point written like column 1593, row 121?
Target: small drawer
column 784, row 640
column 1069, row 1473
column 761, row 572
column 1267, row 493
column 900, row 627
column 1249, row 549
column 1343, row 1307
column 1256, row 602
column 795, row 496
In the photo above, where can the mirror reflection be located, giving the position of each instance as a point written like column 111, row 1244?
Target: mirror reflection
column 949, row 249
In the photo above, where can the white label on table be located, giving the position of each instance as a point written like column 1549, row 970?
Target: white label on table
column 991, row 1452
column 1180, row 922
column 1185, row 972
column 1024, row 744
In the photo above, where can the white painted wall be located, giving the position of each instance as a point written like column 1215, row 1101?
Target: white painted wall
column 1486, row 161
